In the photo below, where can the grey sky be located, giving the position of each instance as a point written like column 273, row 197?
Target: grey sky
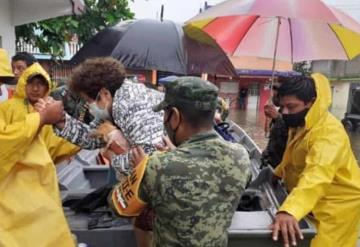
column 176, row 10
column 182, row 10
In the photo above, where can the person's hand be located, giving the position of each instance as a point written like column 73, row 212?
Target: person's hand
column 271, row 111
column 137, row 155
column 49, row 100
column 289, row 228
column 103, row 130
column 168, row 145
column 40, row 105
column 108, row 154
column 217, row 117
column 117, row 142
column 114, row 138
column 52, row 113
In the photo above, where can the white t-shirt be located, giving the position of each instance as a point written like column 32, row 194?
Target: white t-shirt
column 4, row 94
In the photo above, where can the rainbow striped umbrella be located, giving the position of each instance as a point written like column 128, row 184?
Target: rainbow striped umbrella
column 288, row 30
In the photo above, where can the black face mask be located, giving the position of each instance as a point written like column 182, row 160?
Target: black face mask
column 170, row 132
column 296, row 119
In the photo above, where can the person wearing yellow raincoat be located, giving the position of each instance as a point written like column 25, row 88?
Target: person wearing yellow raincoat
column 319, row 169
column 6, row 76
column 31, row 213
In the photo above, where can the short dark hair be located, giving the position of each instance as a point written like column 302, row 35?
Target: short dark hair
column 39, row 77
column 302, row 87
column 28, row 58
column 197, row 118
column 96, row 73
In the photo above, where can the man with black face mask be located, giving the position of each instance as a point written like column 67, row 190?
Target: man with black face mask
column 195, row 188
column 319, row 169
column 275, row 148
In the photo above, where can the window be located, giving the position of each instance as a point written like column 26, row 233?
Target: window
column 254, row 89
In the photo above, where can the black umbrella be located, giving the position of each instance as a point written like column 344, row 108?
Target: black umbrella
column 155, row 45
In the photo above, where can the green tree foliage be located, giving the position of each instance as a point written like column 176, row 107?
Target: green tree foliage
column 303, row 67
column 50, row 35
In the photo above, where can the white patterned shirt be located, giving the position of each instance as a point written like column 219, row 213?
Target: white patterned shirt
column 132, row 114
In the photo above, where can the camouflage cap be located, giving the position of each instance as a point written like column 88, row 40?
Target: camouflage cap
column 190, row 92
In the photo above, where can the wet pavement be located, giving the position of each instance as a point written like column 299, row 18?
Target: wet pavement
column 253, row 123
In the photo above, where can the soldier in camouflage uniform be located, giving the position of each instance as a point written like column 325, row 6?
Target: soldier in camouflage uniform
column 195, row 188
column 74, row 105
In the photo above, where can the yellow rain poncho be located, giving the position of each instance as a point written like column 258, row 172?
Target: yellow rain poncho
column 5, row 67
column 31, row 213
column 322, row 175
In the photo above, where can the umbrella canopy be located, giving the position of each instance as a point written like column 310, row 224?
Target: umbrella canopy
column 156, row 45
column 299, row 29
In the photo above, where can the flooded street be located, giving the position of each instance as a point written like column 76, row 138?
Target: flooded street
column 253, row 123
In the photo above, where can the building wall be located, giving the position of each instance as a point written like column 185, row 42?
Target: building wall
column 7, row 29
column 338, row 69
column 257, row 91
column 324, row 67
column 342, row 74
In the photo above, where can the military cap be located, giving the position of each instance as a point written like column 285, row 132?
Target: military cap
column 189, row 92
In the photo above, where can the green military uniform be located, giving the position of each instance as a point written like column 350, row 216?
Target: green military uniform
column 194, row 190
column 73, row 104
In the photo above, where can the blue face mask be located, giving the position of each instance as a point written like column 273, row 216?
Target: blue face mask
column 97, row 112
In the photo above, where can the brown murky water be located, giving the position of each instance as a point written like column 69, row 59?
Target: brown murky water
column 253, row 123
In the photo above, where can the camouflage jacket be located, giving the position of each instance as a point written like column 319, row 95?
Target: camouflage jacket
column 73, row 104
column 194, row 190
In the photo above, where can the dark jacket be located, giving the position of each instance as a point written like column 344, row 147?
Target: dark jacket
column 273, row 153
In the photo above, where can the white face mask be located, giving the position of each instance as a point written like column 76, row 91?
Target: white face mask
column 98, row 113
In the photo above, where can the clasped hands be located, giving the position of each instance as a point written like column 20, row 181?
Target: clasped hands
column 51, row 111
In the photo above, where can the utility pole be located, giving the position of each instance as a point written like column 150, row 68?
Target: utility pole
column 162, row 12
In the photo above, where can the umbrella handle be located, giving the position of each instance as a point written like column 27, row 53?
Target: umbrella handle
column 275, row 54
column 267, row 124
column 268, row 120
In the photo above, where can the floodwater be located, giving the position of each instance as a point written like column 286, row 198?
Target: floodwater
column 253, row 123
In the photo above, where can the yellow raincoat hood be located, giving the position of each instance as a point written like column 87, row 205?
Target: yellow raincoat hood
column 35, row 69
column 30, row 206
column 5, row 67
column 321, row 174
column 322, row 103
